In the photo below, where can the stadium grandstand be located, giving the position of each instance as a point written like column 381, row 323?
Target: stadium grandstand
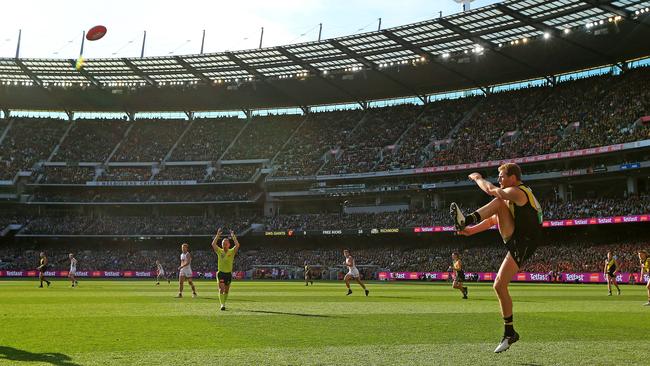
column 361, row 141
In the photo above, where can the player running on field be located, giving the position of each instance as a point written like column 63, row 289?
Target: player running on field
column 185, row 270
column 43, row 263
column 518, row 215
column 611, row 268
column 160, row 273
column 459, row 274
column 308, row 278
column 353, row 273
column 225, row 262
column 73, row 270
column 644, row 259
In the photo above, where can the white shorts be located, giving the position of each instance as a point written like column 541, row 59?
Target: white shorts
column 354, row 273
column 186, row 271
column 72, row 273
column 161, row 273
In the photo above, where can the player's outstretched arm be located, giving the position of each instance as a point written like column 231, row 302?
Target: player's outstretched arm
column 215, row 241
column 234, row 238
column 509, row 193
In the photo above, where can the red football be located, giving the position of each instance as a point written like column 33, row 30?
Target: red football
column 96, row 32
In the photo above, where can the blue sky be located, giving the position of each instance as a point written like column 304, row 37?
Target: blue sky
column 53, row 28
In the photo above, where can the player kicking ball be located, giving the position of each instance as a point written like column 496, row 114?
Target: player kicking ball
column 225, row 262
column 518, row 215
column 353, row 273
column 185, row 270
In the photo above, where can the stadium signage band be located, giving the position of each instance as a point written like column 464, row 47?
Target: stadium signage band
column 440, row 229
column 109, row 274
column 581, row 277
column 143, row 183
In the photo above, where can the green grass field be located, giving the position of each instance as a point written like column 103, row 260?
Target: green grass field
column 286, row 323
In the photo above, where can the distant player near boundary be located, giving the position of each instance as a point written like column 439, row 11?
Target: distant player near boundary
column 160, row 273
column 73, row 270
column 353, row 273
column 308, row 278
column 611, row 268
column 43, row 263
column 185, row 270
column 644, row 259
column 518, row 215
column 225, row 262
column 459, row 274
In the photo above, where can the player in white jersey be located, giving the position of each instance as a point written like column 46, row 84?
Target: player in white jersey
column 185, row 270
column 73, row 270
column 353, row 273
column 160, row 273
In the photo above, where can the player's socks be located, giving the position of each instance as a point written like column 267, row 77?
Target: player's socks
column 367, row 292
column 349, row 292
column 509, row 328
column 223, row 307
column 609, row 293
column 48, row 283
column 465, row 292
column 312, row 282
column 473, row 218
column 179, row 296
column 41, row 286
column 221, row 299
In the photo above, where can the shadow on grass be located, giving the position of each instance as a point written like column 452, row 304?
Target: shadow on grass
column 294, row 314
column 14, row 354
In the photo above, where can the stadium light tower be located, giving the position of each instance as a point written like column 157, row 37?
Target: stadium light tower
column 465, row 3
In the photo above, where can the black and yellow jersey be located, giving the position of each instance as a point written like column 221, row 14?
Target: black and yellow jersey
column 646, row 265
column 611, row 265
column 458, row 266
column 307, row 269
column 528, row 218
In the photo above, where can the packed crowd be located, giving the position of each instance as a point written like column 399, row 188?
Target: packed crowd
column 111, row 174
column 28, row 141
column 321, row 134
column 435, row 124
column 172, row 172
column 263, row 137
column 149, row 140
column 378, row 132
column 543, row 119
column 552, row 210
column 134, row 225
column 597, row 207
column 143, row 195
column 569, row 257
column 91, row 140
column 207, row 139
column 198, row 173
column 66, row 175
column 574, row 114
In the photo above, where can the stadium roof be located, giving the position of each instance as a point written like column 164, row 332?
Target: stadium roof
column 508, row 41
